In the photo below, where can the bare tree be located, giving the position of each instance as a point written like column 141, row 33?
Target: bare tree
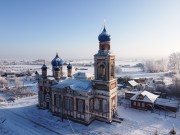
column 176, row 88
column 155, row 66
column 174, row 62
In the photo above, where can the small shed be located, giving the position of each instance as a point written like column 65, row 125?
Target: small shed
column 167, row 105
column 133, row 83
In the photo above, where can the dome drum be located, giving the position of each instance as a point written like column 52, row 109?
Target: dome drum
column 104, row 46
column 56, row 69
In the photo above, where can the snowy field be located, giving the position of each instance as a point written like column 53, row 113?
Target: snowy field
column 24, row 118
column 129, row 70
column 133, row 72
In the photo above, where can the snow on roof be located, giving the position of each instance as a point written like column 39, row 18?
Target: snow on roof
column 75, row 84
column 167, row 102
column 120, row 85
column 148, row 97
column 82, row 75
column 133, row 92
column 50, row 78
column 133, row 83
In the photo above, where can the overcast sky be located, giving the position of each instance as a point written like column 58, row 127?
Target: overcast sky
column 33, row 29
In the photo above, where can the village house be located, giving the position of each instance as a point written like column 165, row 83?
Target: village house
column 145, row 100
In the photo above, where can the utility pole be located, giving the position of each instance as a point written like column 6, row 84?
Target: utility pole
column 62, row 106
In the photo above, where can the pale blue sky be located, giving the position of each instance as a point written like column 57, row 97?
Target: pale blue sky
column 32, row 29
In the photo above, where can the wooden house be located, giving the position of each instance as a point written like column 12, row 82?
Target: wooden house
column 143, row 100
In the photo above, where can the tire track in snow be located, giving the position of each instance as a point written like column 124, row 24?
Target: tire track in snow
column 34, row 122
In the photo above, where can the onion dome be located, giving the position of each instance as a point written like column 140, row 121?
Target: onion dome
column 69, row 66
column 44, row 67
column 104, row 36
column 56, row 69
column 57, row 61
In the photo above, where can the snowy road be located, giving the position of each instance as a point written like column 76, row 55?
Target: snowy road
column 20, row 125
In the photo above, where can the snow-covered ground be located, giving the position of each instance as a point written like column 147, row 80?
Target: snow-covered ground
column 24, row 117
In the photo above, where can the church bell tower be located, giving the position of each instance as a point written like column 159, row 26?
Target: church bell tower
column 105, row 84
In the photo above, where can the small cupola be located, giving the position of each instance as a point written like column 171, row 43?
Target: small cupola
column 44, row 67
column 44, row 70
column 69, row 66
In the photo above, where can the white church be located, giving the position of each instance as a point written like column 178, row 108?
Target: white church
column 82, row 100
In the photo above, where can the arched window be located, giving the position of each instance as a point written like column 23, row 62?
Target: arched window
column 66, row 103
column 60, row 102
column 101, row 72
column 57, row 100
column 71, row 104
column 112, row 70
column 91, row 108
column 100, row 105
column 80, row 106
column 47, row 97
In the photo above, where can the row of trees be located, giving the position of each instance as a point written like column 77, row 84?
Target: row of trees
column 173, row 64
column 152, row 66
column 161, row 65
